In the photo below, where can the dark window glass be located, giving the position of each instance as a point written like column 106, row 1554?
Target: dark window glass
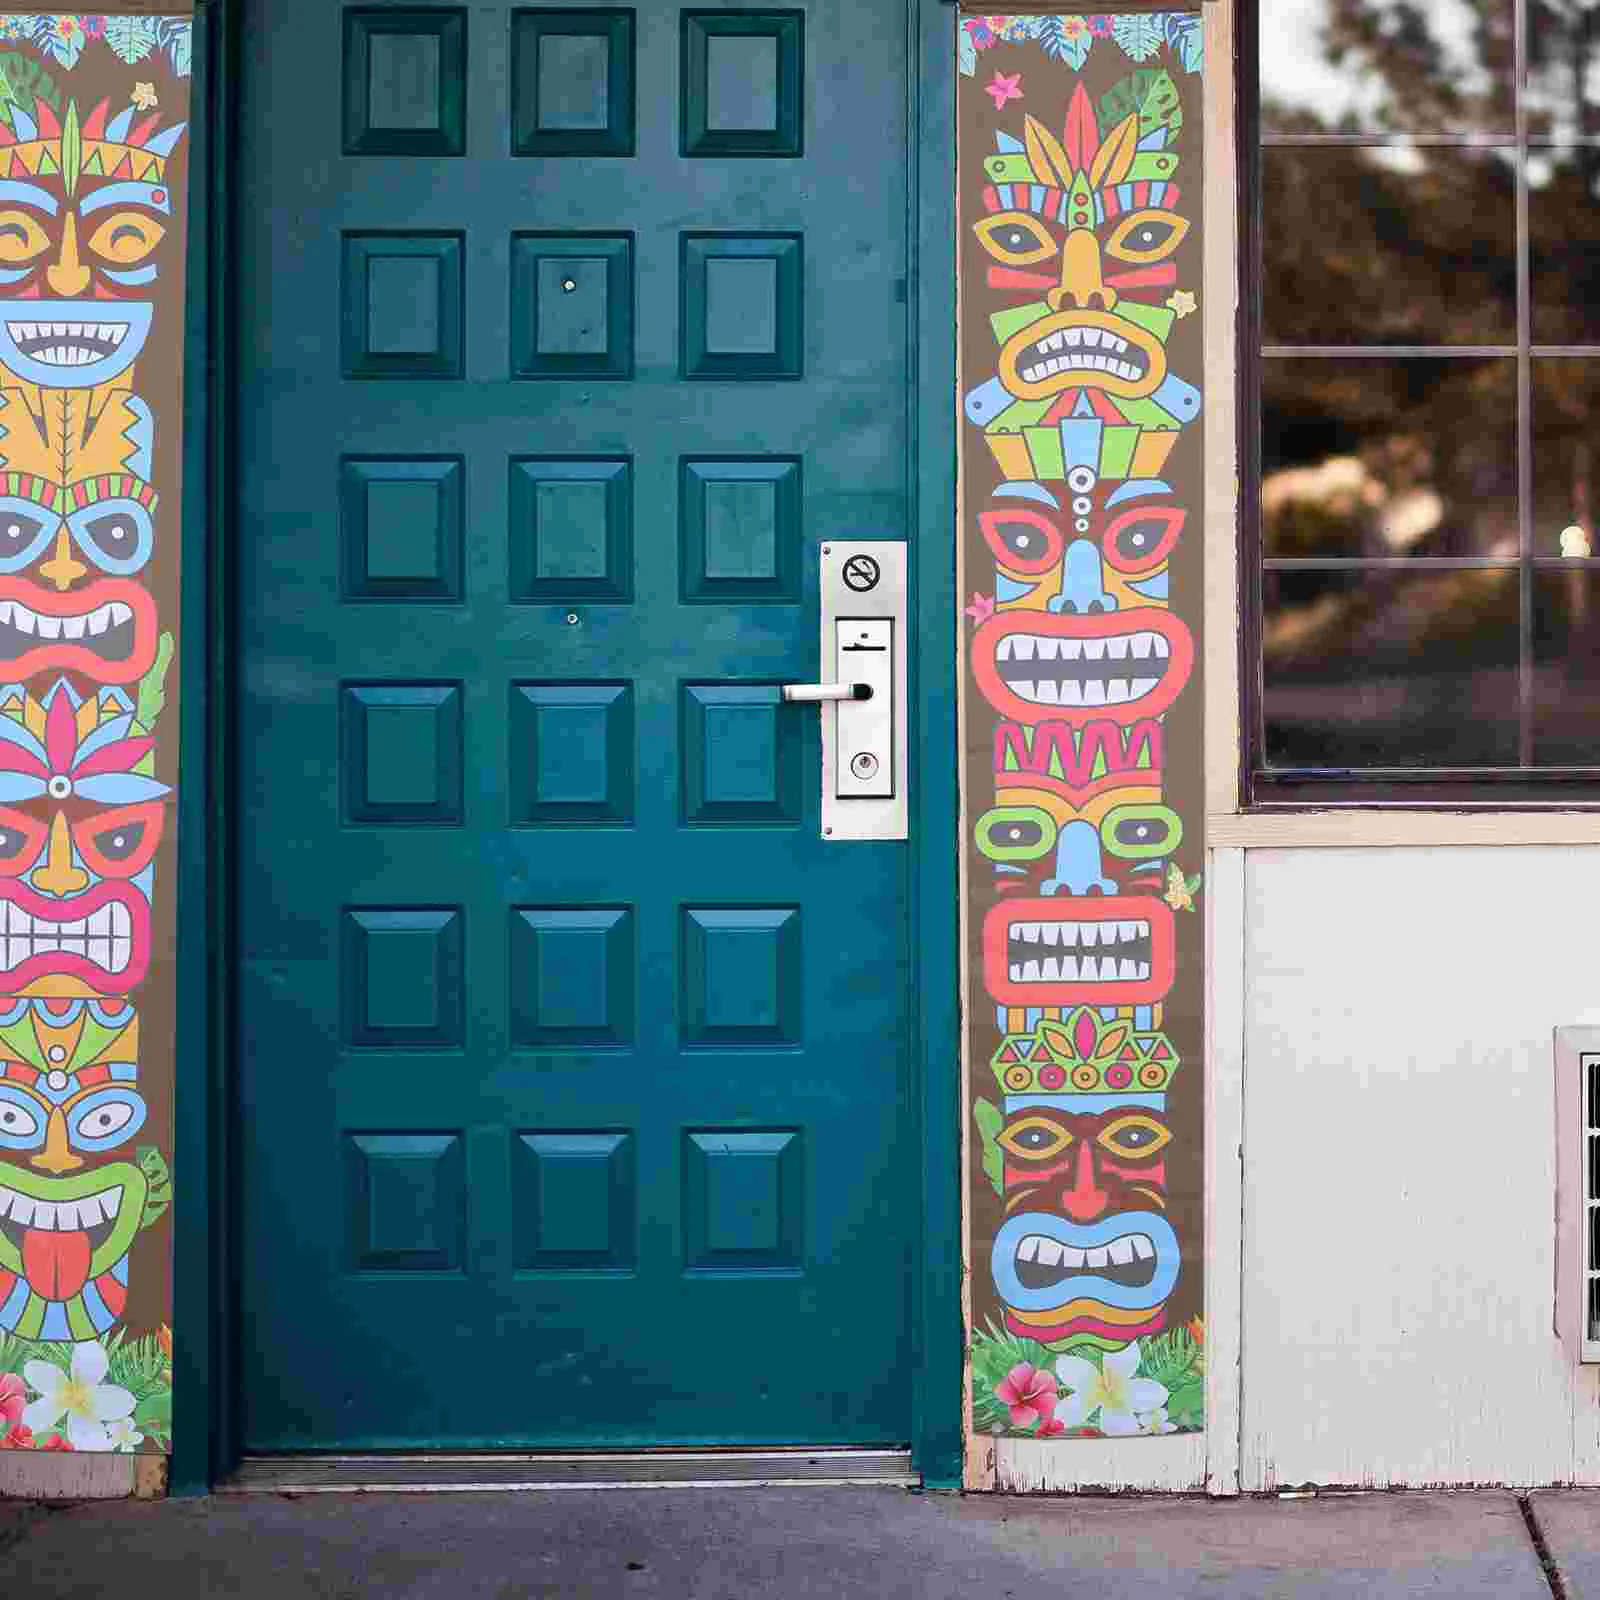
column 1376, row 457
column 1390, row 668
column 1386, row 245
column 1424, row 322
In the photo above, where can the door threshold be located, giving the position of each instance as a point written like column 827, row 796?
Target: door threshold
column 657, row 1469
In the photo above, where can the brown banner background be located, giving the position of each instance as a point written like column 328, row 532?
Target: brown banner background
column 1069, row 207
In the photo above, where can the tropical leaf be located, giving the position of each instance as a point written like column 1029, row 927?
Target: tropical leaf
column 1060, row 46
column 1186, row 1403
column 23, row 81
column 153, row 1414
column 1187, row 36
column 966, row 53
column 159, row 1178
column 71, row 148
column 132, row 38
column 64, row 47
column 180, row 47
column 990, row 1121
column 152, row 690
column 1151, row 93
column 1140, row 36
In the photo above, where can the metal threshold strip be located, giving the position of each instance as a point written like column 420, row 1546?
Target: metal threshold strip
column 661, row 1469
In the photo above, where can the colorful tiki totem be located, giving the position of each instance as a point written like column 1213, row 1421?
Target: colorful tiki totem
column 92, row 217
column 1081, row 474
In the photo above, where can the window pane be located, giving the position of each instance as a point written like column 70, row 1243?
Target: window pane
column 1566, row 457
column 1377, row 669
column 1443, row 66
column 1563, row 53
column 1566, row 676
column 1414, row 246
column 1563, row 237
column 1380, row 457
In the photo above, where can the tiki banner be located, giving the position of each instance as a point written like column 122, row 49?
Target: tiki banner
column 93, row 111
column 1079, row 190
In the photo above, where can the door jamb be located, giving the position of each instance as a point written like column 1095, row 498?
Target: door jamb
column 206, row 1311
column 939, row 1436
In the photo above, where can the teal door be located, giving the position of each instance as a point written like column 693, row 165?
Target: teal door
column 575, row 1097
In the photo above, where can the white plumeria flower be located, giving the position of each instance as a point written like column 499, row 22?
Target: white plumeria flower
column 1156, row 1422
column 123, row 1435
column 79, row 1396
column 1111, row 1389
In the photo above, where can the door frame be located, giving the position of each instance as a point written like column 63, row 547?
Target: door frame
column 206, row 1309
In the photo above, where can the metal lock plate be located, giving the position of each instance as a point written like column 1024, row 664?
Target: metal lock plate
column 864, row 748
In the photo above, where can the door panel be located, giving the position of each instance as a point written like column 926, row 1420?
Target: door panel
column 574, row 1081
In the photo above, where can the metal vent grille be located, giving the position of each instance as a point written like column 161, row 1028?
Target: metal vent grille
column 1591, row 1206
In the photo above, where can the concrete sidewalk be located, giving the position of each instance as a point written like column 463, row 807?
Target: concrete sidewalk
column 840, row 1543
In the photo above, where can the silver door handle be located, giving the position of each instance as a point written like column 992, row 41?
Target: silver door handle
column 799, row 693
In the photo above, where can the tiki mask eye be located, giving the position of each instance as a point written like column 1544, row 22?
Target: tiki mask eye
column 105, row 1119
column 24, row 533
column 1015, row 238
column 1016, row 833
column 21, row 1122
column 1035, row 1139
column 1022, row 541
column 1140, row 540
column 120, row 843
column 116, row 535
column 117, row 844
column 126, row 238
column 21, row 238
column 21, row 839
column 1135, row 1138
column 1147, row 236
column 1141, row 832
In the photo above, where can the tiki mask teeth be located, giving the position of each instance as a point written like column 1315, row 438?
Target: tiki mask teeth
column 1084, row 350
column 108, row 630
column 1054, row 952
column 67, row 344
column 1109, row 671
column 1129, row 1261
column 104, row 937
column 94, row 1212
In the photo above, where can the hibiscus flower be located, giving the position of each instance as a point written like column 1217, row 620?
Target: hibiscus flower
column 1029, row 1391
column 13, row 1397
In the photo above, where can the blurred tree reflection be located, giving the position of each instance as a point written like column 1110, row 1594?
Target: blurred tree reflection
column 1415, row 456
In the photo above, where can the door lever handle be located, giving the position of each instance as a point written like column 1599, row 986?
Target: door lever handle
column 800, row 693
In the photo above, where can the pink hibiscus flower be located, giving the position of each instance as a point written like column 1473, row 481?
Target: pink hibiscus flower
column 13, row 1398
column 1029, row 1391
column 1100, row 27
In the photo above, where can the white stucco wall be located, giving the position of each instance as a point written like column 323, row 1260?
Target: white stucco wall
column 1399, row 1165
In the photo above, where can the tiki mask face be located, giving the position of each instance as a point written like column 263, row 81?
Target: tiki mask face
column 1086, row 1254
column 1082, row 231
column 84, row 213
column 71, row 1200
column 80, row 823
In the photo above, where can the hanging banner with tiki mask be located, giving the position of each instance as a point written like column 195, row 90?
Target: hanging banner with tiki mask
column 1080, row 544
column 93, row 146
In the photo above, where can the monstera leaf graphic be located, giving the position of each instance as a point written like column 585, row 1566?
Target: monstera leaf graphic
column 132, row 38
column 1139, row 36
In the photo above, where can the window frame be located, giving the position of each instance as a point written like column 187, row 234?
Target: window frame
column 1406, row 794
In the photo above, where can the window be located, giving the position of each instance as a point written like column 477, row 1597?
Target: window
column 1423, row 246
